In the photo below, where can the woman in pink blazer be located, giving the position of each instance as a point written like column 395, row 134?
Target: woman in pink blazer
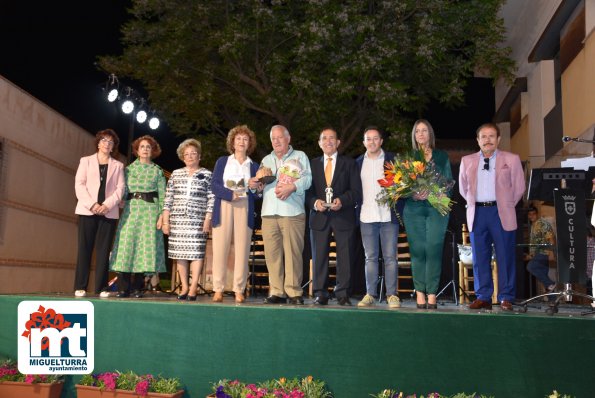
column 99, row 186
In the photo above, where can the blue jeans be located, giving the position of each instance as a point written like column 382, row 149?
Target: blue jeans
column 539, row 267
column 386, row 233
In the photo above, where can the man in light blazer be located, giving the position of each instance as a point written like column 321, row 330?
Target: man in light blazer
column 338, row 217
column 492, row 182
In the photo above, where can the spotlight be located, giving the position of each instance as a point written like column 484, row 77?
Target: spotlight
column 112, row 95
column 141, row 116
column 127, row 107
column 154, row 123
column 111, row 86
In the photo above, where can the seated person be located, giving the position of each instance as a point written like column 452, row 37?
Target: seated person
column 542, row 233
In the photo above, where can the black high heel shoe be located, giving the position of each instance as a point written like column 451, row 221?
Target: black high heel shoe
column 422, row 306
column 192, row 298
column 433, row 306
column 182, row 296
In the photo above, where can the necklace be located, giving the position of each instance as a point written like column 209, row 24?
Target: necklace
column 102, row 172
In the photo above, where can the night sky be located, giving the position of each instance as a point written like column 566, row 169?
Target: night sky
column 49, row 50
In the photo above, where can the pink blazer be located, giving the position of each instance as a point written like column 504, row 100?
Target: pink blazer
column 86, row 186
column 510, row 186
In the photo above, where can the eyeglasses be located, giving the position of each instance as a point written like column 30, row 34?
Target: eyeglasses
column 107, row 141
column 190, row 154
column 486, row 164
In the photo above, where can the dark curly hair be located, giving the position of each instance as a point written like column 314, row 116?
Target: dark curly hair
column 108, row 133
column 155, row 148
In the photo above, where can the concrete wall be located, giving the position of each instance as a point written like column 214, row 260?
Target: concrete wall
column 578, row 91
column 40, row 153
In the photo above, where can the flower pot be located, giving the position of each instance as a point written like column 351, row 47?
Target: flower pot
column 95, row 392
column 19, row 389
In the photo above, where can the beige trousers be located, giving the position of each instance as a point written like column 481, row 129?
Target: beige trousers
column 284, row 240
column 234, row 222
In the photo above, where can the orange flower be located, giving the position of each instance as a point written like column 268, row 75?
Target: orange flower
column 385, row 183
column 418, row 167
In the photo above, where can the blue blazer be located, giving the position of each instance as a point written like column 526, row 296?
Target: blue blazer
column 394, row 218
column 223, row 193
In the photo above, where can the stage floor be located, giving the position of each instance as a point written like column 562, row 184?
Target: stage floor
column 356, row 351
column 408, row 304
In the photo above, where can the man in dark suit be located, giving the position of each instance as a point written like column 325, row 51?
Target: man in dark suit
column 335, row 192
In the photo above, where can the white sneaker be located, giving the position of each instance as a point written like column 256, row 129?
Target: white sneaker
column 104, row 294
column 367, row 301
column 394, row 302
column 80, row 293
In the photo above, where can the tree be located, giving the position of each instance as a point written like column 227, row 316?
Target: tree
column 209, row 65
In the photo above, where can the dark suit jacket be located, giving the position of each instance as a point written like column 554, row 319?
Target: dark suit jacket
column 347, row 186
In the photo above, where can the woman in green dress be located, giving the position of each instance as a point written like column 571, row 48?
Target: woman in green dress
column 138, row 247
column 425, row 226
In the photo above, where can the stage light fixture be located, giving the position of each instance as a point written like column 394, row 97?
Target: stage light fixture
column 111, row 86
column 127, row 107
column 112, row 95
column 141, row 116
column 154, row 123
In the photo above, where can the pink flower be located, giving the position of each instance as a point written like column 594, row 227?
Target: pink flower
column 30, row 379
column 142, row 388
column 109, row 379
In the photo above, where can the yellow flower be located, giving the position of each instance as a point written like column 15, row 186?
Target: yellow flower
column 282, row 380
column 418, row 167
column 309, row 378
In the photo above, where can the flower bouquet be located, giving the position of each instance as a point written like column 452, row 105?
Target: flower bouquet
column 408, row 175
column 142, row 385
column 290, row 172
column 307, row 387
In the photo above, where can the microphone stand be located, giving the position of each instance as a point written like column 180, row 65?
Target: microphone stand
column 568, row 139
column 452, row 281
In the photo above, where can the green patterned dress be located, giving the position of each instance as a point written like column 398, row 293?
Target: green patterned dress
column 139, row 246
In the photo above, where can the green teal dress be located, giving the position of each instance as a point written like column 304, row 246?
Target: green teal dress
column 139, row 246
column 425, row 229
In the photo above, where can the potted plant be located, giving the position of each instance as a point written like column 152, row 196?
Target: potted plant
column 14, row 384
column 128, row 384
column 306, row 387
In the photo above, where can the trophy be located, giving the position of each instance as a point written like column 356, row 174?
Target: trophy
column 329, row 197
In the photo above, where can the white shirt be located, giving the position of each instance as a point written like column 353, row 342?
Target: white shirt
column 372, row 171
column 486, row 180
column 234, row 171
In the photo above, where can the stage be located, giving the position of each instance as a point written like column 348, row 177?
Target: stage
column 356, row 351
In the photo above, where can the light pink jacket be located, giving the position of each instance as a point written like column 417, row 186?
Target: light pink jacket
column 510, row 186
column 87, row 181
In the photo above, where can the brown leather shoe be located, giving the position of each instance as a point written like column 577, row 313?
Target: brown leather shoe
column 506, row 305
column 240, row 298
column 479, row 304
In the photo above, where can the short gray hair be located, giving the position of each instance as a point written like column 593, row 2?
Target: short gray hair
column 279, row 126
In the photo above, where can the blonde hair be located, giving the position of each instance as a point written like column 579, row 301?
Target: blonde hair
column 185, row 144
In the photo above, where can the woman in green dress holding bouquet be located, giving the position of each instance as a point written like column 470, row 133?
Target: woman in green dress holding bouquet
column 139, row 246
column 425, row 225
